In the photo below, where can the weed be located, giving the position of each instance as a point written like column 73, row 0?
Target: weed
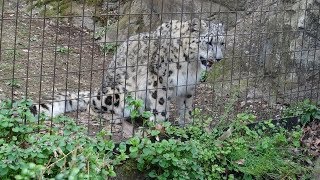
column 63, row 7
column 62, row 49
column 99, row 34
column 29, row 149
column 109, row 48
column 230, row 150
column 306, row 110
column 6, row 67
column 13, row 83
column 11, row 54
column 34, row 38
column 135, row 106
column 216, row 72
column 204, row 76
column 235, row 151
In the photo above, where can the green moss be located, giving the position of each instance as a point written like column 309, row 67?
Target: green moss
column 59, row 7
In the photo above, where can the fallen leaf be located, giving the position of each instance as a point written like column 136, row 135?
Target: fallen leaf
column 240, row 161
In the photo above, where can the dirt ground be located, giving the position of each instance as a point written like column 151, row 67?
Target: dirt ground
column 45, row 54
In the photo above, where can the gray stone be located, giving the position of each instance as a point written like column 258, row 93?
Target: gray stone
column 145, row 15
column 272, row 46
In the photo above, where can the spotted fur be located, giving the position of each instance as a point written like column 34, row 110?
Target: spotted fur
column 61, row 103
column 156, row 67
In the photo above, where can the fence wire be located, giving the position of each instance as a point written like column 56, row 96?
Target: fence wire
column 271, row 56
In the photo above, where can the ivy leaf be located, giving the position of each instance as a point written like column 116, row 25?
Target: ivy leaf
column 154, row 132
column 16, row 129
column 122, row 147
column 152, row 174
column 146, row 114
column 134, row 141
column 133, row 149
column 112, row 173
column 109, row 145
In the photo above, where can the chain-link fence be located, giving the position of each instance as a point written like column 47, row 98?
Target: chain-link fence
column 68, row 55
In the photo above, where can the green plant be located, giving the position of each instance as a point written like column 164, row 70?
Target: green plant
column 58, row 7
column 306, row 110
column 109, row 47
column 228, row 113
column 233, row 151
column 51, row 7
column 204, row 76
column 100, row 33
column 168, row 159
column 136, row 108
column 62, row 49
column 11, row 54
column 31, row 171
column 34, row 38
column 13, row 83
column 31, row 147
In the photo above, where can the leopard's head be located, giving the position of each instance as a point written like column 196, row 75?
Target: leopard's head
column 210, row 40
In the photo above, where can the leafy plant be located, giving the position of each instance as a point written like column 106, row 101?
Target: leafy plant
column 204, row 76
column 136, row 108
column 58, row 7
column 233, row 151
column 100, row 33
column 13, row 83
column 168, row 159
column 306, row 110
column 31, row 171
column 10, row 54
column 109, row 48
column 62, row 49
column 32, row 148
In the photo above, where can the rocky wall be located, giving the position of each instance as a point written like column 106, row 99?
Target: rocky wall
column 272, row 46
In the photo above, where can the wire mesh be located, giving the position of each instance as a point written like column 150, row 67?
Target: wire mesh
column 271, row 55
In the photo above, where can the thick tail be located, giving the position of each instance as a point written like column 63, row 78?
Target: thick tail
column 62, row 103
